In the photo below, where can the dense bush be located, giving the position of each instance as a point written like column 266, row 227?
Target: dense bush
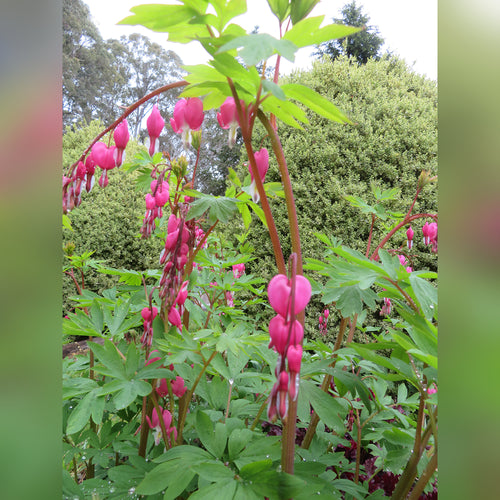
column 394, row 138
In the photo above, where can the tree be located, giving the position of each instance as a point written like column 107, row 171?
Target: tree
column 102, row 77
column 363, row 45
column 89, row 75
column 148, row 66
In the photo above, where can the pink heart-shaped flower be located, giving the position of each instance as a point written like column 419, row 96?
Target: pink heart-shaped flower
column 278, row 331
column 279, row 290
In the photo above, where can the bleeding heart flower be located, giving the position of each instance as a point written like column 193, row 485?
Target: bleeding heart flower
column 262, row 161
column 278, row 331
column 155, row 124
column 178, row 387
column 121, row 137
column 279, row 291
column 228, row 118
column 188, row 115
column 409, row 234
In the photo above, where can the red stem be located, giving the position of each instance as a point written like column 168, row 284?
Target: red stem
column 129, row 110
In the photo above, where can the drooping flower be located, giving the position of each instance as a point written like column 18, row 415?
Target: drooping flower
column 294, row 357
column 105, row 158
column 279, row 291
column 188, row 115
column 430, row 234
column 154, row 424
column 238, row 270
column 409, row 234
column 228, row 118
column 148, row 315
column 155, row 124
column 121, row 137
column 386, row 308
column 178, row 387
column 279, row 330
column 262, row 161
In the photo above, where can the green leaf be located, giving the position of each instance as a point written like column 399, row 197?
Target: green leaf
column 252, row 470
column 390, row 263
column 223, row 490
column 220, row 208
column 132, row 360
column 206, row 432
column 179, row 482
column 130, row 389
column 245, row 214
column 76, row 386
column 160, row 18
column 258, row 211
column 66, row 222
column 329, row 410
column 81, row 414
column 280, row 8
column 160, row 477
column 238, row 439
column 355, row 385
column 307, row 32
column 201, row 73
column 350, row 487
column 213, row 472
column 300, row 9
column 426, row 295
column 189, row 455
column 314, row 101
column 107, row 354
column 270, row 86
column 96, row 316
column 259, row 47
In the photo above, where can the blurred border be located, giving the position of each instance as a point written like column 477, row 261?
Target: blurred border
column 469, row 264
column 30, row 222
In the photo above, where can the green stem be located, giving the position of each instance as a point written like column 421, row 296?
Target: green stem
column 259, row 413
column 410, row 472
column 424, row 478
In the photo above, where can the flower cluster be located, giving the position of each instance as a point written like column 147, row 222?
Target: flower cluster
column 155, row 201
column 173, row 291
column 287, row 298
column 323, row 320
column 430, row 235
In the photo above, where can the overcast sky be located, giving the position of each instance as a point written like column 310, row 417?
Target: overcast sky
column 409, row 28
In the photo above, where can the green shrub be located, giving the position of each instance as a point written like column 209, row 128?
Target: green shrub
column 394, row 138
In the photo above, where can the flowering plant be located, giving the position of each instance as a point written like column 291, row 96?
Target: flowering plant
column 218, row 365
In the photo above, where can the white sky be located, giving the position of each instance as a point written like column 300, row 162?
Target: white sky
column 409, row 28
